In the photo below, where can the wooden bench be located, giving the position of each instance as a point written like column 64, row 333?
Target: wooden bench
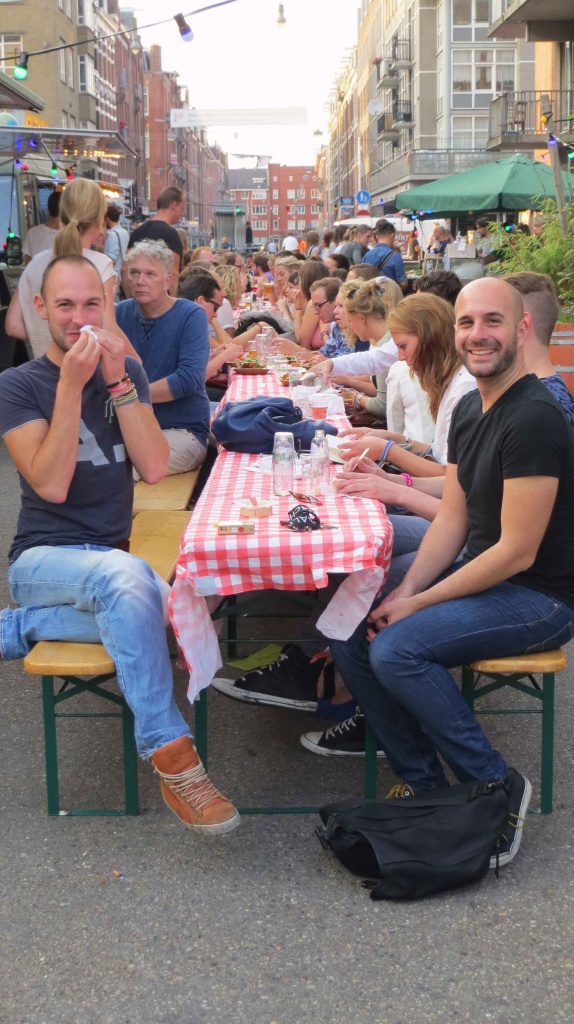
column 156, row 538
column 518, row 673
column 173, row 493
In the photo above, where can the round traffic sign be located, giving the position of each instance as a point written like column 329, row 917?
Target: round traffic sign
column 363, row 196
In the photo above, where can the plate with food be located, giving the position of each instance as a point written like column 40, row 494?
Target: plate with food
column 249, row 368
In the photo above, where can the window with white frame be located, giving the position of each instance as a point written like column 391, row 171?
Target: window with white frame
column 260, row 225
column 301, row 208
column 69, row 9
column 314, row 223
column 275, row 210
column 290, row 177
column 71, row 69
column 245, row 195
column 274, row 177
column 291, row 225
column 61, row 4
column 300, row 225
column 87, row 74
column 86, row 13
column 146, row 143
column 291, row 193
column 258, row 210
column 276, row 225
column 482, row 71
column 261, row 194
column 62, row 61
column 469, row 131
column 146, row 99
column 300, row 193
column 148, row 185
column 314, row 208
column 467, row 12
column 275, row 191
column 10, row 50
column 314, row 193
column 64, row 119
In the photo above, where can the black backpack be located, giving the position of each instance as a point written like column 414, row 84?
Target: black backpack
column 418, row 845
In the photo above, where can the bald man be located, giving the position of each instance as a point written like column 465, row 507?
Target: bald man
column 508, row 497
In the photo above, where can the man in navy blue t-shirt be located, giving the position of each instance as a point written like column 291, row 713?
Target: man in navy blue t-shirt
column 385, row 257
column 75, row 421
column 170, row 336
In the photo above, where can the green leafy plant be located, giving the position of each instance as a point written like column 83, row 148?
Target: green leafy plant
column 552, row 254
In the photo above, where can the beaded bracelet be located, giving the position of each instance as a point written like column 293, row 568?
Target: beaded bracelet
column 408, row 479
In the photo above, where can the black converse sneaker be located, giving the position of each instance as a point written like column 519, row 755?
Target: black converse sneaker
column 290, row 682
column 347, row 739
column 519, row 793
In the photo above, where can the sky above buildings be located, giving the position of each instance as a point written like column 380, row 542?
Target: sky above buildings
column 241, row 58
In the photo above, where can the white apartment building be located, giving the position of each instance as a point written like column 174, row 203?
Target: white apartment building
column 438, row 73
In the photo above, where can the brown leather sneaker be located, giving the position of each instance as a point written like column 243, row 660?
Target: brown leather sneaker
column 189, row 793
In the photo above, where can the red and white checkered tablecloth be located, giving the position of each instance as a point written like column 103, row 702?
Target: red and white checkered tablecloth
column 274, row 557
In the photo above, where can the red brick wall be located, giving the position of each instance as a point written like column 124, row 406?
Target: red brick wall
column 283, row 179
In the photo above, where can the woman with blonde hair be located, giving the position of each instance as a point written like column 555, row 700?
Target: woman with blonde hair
column 82, row 212
column 282, row 270
column 230, row 278
column 367, row 306
column 422, row 327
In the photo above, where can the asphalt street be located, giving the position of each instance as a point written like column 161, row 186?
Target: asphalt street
column 138, row 921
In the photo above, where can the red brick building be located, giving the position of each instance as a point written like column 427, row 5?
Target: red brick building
column 294, row 196
column 250, row 190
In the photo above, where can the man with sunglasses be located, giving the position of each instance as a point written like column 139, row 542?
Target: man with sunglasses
column 170, row 336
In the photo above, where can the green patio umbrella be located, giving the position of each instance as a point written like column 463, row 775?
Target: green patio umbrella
column 515, row 183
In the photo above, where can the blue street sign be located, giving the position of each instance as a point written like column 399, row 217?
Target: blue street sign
column 363, row 197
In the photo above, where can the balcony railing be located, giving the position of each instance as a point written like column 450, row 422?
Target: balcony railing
column 402, row 113
column 420, row 165
column 515, row 119
column 400, row 54
column 388, row 79
column 385, row 129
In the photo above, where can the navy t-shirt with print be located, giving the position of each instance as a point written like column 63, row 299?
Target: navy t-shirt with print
column 98, row 507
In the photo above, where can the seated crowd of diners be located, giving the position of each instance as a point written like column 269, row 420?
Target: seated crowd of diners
column 460, row 427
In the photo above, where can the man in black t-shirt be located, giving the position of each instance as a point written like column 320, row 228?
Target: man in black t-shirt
column 170, row 210
column 75, row 421
column 509, row 494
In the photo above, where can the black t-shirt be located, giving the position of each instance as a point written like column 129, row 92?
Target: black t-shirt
column 157, row 229
column 525, row 433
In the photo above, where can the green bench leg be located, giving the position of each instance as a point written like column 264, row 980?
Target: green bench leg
column 370, row 779
column 467, row 686
column 200, row 707
column 50, row 745
column 130, row 756
column 547, row 756
column 130, row 761
column 232, row 627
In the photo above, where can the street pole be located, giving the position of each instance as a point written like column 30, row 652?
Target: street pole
column 548, row 119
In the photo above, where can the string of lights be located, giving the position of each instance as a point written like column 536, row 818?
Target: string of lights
column 20, row 70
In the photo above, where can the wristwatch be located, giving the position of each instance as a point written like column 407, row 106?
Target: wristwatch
column 357, row 402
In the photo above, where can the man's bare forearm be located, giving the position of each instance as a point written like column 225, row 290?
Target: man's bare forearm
column 439, row 548
column 54, row 464
column 144, row 440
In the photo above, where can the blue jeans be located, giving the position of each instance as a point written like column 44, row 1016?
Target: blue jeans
column 91, row 594
column 401, row 680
